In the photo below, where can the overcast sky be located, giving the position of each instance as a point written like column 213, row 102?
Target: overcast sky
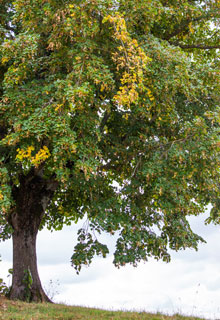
column 189, row 284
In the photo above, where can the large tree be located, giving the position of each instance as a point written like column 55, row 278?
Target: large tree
column 109, row 111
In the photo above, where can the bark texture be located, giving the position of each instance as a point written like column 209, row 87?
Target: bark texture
column 26, row 284
column 31, row 198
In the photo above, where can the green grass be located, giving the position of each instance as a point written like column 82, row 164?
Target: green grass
column 11, row 310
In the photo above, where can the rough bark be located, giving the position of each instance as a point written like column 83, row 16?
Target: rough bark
column 26, row 284
column 31, row 198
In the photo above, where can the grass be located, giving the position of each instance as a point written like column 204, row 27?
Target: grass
column 16, row 310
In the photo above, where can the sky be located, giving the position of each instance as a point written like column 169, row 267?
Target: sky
column 189, row 284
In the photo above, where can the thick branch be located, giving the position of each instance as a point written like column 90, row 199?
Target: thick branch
column 104, row 120
column 195, row 46
column 184, row 25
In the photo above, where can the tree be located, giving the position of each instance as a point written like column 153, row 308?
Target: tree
column 109, row 110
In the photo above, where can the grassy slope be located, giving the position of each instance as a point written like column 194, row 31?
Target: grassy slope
column 10, row 310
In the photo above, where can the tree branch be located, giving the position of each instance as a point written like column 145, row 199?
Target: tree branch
column 184, row 25
column 104, row 120
column 195, row 46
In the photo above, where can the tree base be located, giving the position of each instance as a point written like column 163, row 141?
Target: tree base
column 28, row 295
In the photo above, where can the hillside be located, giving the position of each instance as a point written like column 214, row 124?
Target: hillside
column 10, row 310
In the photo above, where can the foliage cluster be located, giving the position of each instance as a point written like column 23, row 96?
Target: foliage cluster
column 4, row 288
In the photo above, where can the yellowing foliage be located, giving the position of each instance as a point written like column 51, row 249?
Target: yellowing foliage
column 40, row 157
column 132, row 59
column 24, row 154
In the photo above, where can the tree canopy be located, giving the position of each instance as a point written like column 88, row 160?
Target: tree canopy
column 110, row 110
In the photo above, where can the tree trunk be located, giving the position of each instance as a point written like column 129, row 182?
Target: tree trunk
column 26, row 284
column 31, row 199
